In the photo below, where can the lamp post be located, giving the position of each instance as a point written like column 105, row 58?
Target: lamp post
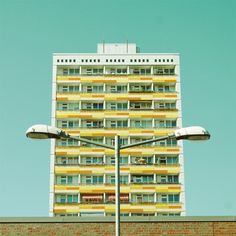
column 47, row 132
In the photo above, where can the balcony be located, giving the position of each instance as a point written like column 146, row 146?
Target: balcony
column 138, row 88
column 101, row 198
column 141, row 105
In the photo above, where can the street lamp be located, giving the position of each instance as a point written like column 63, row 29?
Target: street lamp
column 48, row 132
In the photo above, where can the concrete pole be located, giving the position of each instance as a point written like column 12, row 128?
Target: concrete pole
column 117, row 186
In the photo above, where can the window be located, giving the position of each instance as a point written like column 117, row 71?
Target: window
column 66, row 142
column 94, row 179
column 68, row 88
column 142, row 198
column 171, row 142
column 117, row 88
column 168, row 142
column 124, row 160
column 165, row 123
column 92, row 106
column 164, row 70
column 172, row 160
column 168, row 179
column 111, row 141
column 110, row 179
column 142, row 160
column 67, row 179
column 170, row 198
column 164, row 89
column 141, row 105
column 67, row 198
column 92, row 160
column 93, row 88
column 117, row 106
column 93, row 124
column 172, row 178
column 140, row 88
column 163, row 198
column 68, row 106
column 124, row 179
column 165, row 105
column 141, row 123
column 67, row 160
column 68, row 124
column 73, row 71
column 169, row 160
column 94, row 71
column 142, row 179
column 142, row 214
column 111, row 160
column 141, row 71
column 117, row 123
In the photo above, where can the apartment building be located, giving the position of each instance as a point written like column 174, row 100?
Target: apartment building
column 116, row 91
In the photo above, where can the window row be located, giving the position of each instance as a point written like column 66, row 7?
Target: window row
column 118, row 70
column 110, row 179
column 133, row 198
column 120, row 88
column 111, row 141
column 110, row 160
column 106, row 123
column 100, row 214
column 107, row 105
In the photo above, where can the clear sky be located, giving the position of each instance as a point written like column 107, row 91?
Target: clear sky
column 202, row 31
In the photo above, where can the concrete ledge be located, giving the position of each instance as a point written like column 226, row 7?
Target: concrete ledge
column 11, row 220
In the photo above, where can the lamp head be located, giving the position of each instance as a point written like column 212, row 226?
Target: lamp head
column 44, row 132
column 192, row 133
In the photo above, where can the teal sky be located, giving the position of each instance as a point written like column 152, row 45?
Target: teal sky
column 202, row 31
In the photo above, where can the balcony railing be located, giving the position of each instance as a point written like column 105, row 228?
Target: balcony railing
column 122, row 202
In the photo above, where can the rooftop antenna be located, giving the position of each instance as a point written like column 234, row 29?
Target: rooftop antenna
column 103, row 46
column 127, row 46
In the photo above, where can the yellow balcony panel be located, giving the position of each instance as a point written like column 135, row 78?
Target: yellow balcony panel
column 168, row 188
column 162, row 206
column 111, row 79
column 115, row 96
column 109, row 188
column 151, row 169
column 148, row 207
column 93, row 114
column 152, row 188
column 129, row 151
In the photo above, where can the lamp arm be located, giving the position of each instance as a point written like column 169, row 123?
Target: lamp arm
column 67, row 136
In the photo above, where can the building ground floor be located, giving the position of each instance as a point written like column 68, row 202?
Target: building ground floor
column 138, row 226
